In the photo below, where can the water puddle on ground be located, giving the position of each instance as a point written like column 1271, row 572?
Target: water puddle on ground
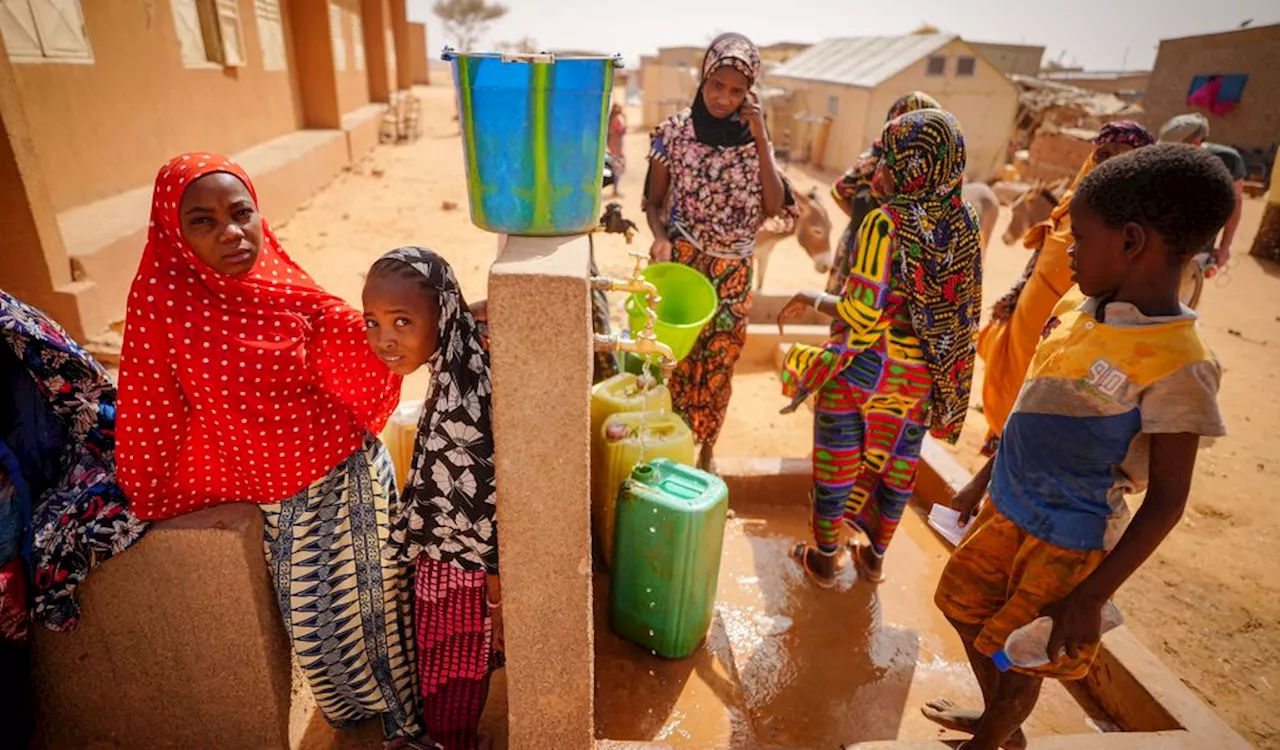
column 787, row 664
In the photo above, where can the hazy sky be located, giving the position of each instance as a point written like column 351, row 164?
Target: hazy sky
column 1098, row 34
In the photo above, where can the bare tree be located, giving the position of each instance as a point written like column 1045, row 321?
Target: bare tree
column 465, row 20
column 524, row 45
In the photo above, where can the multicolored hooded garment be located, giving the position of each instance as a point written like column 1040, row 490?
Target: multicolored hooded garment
column 940, row 251
column 858, row 177
column 60, row 506
column 935, row 250
column 854, row 188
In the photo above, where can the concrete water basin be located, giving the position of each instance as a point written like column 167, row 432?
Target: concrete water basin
column 790, row 665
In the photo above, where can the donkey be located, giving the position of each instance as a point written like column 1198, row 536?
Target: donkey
column 1033, row 207
column 812, row 228
column 984, row 201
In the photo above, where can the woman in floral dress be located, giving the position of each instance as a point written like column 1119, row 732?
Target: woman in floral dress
column 712, row 181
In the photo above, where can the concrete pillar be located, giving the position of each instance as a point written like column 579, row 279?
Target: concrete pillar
column 540, row 329
column 404, row 53
column 34, row 265
column 420, row 52
column 314, row 64
column 180, row 645
column 377, row 19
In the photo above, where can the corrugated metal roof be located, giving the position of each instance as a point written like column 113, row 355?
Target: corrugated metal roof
column 861, row 61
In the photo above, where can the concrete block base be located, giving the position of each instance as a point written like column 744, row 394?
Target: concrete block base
column 180, row 645
column 540, row 328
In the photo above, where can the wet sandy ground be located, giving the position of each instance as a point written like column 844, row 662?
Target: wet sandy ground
column 790, row 665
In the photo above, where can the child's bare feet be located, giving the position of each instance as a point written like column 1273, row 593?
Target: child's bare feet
column 947, row 714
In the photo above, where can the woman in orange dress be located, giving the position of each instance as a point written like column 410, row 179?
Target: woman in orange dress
column 1009, row 339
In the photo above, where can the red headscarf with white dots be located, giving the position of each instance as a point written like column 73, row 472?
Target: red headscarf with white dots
column 236, row 388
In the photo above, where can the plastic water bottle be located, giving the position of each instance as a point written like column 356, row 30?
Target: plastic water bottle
column 1026, row 646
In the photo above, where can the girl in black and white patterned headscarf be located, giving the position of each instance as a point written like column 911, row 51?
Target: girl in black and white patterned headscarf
column 415, row 315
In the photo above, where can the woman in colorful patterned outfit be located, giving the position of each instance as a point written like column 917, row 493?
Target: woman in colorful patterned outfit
column 1009, row 339
column 712, row 181
column 61, row 511
column 416, row 316
column 242, row 380
column 852, row 192
column 900, row 360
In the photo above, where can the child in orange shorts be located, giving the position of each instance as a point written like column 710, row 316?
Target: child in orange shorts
column 1116, row 399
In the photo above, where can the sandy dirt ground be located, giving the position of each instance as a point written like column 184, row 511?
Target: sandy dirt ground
column 1208, row 603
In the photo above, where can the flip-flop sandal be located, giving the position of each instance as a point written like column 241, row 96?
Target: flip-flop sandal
column 801, row 553
column 856, row 551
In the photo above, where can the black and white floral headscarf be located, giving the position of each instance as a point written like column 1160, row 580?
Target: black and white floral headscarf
column 449, row 497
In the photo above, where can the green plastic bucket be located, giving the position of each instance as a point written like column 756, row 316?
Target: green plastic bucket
column 688, row 302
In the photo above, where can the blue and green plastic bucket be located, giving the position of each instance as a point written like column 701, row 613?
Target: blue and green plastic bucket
column 534, row 130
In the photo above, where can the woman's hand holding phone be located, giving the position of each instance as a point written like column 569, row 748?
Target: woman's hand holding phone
column 753, row 115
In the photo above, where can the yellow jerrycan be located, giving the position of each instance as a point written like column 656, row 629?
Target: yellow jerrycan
column 626, row 440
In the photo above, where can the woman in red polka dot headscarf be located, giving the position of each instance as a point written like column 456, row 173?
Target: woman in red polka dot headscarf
column 242, row 380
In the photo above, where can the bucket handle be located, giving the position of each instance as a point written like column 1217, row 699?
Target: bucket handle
column 540, row 58
column 449, row 54
column 537, row 58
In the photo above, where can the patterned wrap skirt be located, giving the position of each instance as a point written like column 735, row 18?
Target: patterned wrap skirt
column 348, row 611
column 455, row 651
column 703, row 381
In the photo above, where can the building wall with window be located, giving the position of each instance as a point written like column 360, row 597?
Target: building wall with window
column 96, row 95
column 964, row 82
column 1019, row 59
column 349, row 56
column 845, row 105
column 144, row 87
column 1249, row 58
column 967, row 85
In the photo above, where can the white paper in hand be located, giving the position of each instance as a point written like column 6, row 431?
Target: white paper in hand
column 946, row 521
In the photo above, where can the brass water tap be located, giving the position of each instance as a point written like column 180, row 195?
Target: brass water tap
column 614, row 284
column 635, row 283
column 645, row 343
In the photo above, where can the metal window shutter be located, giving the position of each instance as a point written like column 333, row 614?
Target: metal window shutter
column 61, row 27
column 271, row 35
column 339, row 43
column 186, row 23
column 18, row 29
column 357, row 40
column 230, row 32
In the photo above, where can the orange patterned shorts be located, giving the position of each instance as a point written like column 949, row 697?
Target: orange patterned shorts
column 1000, row 577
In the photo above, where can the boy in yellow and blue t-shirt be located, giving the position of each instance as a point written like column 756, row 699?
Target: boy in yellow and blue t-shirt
column 1116, row 399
